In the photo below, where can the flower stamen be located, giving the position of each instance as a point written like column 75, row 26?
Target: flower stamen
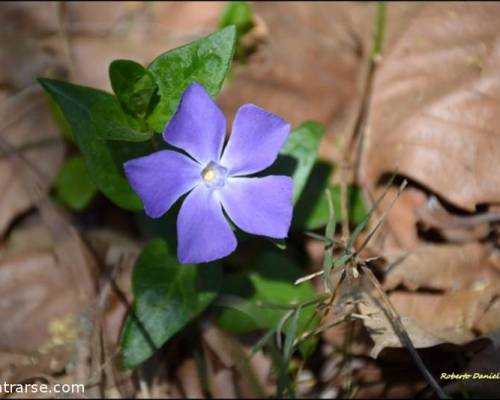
column 208, row 175
column 214, row 175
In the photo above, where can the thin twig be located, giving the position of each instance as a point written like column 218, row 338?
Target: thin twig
column 308, row 277
column 399, row 329
column 344, row 202
column 321, row 329
column 382, row 218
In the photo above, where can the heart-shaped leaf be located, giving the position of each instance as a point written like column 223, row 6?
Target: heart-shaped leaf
column 167, row 296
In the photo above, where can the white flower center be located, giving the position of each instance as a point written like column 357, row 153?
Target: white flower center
column 214, row 175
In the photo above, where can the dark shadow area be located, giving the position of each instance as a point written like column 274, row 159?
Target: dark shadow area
column 313, row 191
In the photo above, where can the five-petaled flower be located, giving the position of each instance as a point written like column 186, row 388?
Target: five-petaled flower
column 214, row 179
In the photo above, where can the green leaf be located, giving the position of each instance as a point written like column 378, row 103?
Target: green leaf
column 318, row 213
column 305, row 213
column 329, row 234
column 250, row 295
column 239, row 14
column 298, row 155
column 60, row 119
column 167, row 296
column 73, row 184
column 279, row 243
column 95, row 107
column 133, row 85
column 205, row 61
column 291, row 334
column 94, row 116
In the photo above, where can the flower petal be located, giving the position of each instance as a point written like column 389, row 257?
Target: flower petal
column 203, row 233
column 255, row 141
column 161, row 178
column 261, row 206
column 198, row 126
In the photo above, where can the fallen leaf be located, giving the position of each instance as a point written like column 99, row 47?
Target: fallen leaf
column 45, row 322
column 490, row 320
column 435, row 104
column 387, row 380
column 307, row 66
column 441, row 267
column 23, row 51
column 139, row 31
column 453, row 227
column 250, row 374
column 223, row 384
column 27, row 129
column 400, row 231
column 188, row 375
column 430, row 319
column 383, row 335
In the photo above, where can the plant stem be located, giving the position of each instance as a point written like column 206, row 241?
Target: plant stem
column 378, row 35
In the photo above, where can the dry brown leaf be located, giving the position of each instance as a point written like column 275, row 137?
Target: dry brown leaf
column 130, row 30
column 261, row 365
column 308, row 65
column 217, row 341
column 82, row 38
column 442, row 267
column 222, row 384
column 430, row 319
column 251, row 375
column 401, row 222
column 436, row 100
column 188, row 375
column 34, row 284
column 27, row 128
column 390, row 380
column 452, row 314
column 23, row 52
column 117, row 253
column 383, row 335
column 469, row 281
column 456, row 228
column 490, row 320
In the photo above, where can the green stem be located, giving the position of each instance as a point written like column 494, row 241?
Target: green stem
column 316, row 300
column 378, row 35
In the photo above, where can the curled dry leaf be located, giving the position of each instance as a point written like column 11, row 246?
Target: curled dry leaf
column 82, row 38
column 490, row 320
column 433, row 117
column 401, row 221
column 27, row 129
column 429, row 319
column 190, row 379
column 456, row 228
column 442, row 267
column 33, row 282
column 383, row 334
column 222, row 384
column 306, row 68
column 436, row 100
column 463, row 285
column 250, row 375
column 24, row 54
column 138, row 31
column 389, row 380
column 117, row 253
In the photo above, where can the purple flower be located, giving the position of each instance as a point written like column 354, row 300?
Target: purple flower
column 215, row 181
